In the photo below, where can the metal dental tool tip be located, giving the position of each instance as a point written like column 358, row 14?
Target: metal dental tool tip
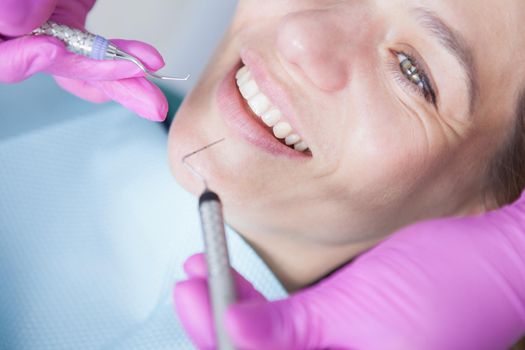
column 220, row 280
column 124, row 56
column 93, row 46
column 192, row 169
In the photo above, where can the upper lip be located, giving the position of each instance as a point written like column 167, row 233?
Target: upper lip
column 272, row 89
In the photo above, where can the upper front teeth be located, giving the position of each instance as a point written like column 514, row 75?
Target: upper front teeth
column 259, row 103
column 263, row 107
column 271, row 117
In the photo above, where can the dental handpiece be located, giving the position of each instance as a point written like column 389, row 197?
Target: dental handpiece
column 93, row 46
column 221, row 285
column 220, row 281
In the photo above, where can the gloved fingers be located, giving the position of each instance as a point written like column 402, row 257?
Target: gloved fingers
column 196, row 267
column 252, row 325
column 72, row 13
column 285, row 324
column 147, row 54
column 19, row 17
column 82, row 89
column 138, row 95
column 71, row 65
column 193, row 307
column 25, row 56
column 22, row 57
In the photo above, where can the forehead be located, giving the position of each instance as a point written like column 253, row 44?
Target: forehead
column 484, row 21
column 493, row 31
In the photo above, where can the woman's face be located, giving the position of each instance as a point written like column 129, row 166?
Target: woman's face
column 388, row 143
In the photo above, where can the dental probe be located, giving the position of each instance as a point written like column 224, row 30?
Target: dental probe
column 220, row 280
column 93, row 46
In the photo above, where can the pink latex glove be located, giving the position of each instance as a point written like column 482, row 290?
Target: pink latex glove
column 97, row 81
column 443, row 284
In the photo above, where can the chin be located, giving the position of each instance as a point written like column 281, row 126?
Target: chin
column 184, row 139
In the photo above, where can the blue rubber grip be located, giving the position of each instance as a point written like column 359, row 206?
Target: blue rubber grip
column 100, row 46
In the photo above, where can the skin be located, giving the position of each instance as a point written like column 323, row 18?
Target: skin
column 382, row 156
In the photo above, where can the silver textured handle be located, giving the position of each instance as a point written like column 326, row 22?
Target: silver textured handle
column 220, row 279
column 77, row 41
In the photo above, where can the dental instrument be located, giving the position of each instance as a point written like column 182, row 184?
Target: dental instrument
column 93, row 46
column 220, row 280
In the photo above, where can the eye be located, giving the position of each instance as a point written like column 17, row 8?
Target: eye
column 416, row 75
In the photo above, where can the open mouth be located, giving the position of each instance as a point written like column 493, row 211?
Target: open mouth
column 263, row 109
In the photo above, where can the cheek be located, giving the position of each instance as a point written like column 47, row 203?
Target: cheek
column 387, row 153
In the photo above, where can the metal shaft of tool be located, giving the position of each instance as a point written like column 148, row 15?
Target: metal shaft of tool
column 221, row 285
column 220, row 279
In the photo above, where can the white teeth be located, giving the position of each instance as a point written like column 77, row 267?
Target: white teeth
column 262, row 107
column 292, row 139
column 281, row 130
column 244, row 77
column 249, row 89
column 241, row 72
column 271, row 117
column 259, row 104
column 301, row 146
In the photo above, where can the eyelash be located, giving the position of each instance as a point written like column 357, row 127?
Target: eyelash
column 409, row 73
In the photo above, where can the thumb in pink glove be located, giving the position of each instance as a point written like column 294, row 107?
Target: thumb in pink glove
column 193, row 304
column 95, row 81
column 442, row 284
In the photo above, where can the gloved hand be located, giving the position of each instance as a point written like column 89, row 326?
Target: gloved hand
column 98, row 81
column 443, row 284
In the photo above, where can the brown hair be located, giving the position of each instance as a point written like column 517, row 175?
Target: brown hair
column 507, row 171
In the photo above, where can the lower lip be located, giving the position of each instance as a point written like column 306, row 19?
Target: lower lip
column 243, row 123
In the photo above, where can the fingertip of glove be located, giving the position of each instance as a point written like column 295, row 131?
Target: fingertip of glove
column 144, row 98
column 145, row 52
column 148, row 110
column 155, row 116
column 150, row 114
column 180, row 288
column 159, row 112
column 188, row 293
column 195, row 265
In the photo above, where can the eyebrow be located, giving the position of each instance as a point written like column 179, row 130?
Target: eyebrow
column 455, row 44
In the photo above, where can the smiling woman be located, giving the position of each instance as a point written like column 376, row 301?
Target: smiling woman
column 395, row 113
column 346, row 120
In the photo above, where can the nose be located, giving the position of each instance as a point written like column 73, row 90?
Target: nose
column 322, row 44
